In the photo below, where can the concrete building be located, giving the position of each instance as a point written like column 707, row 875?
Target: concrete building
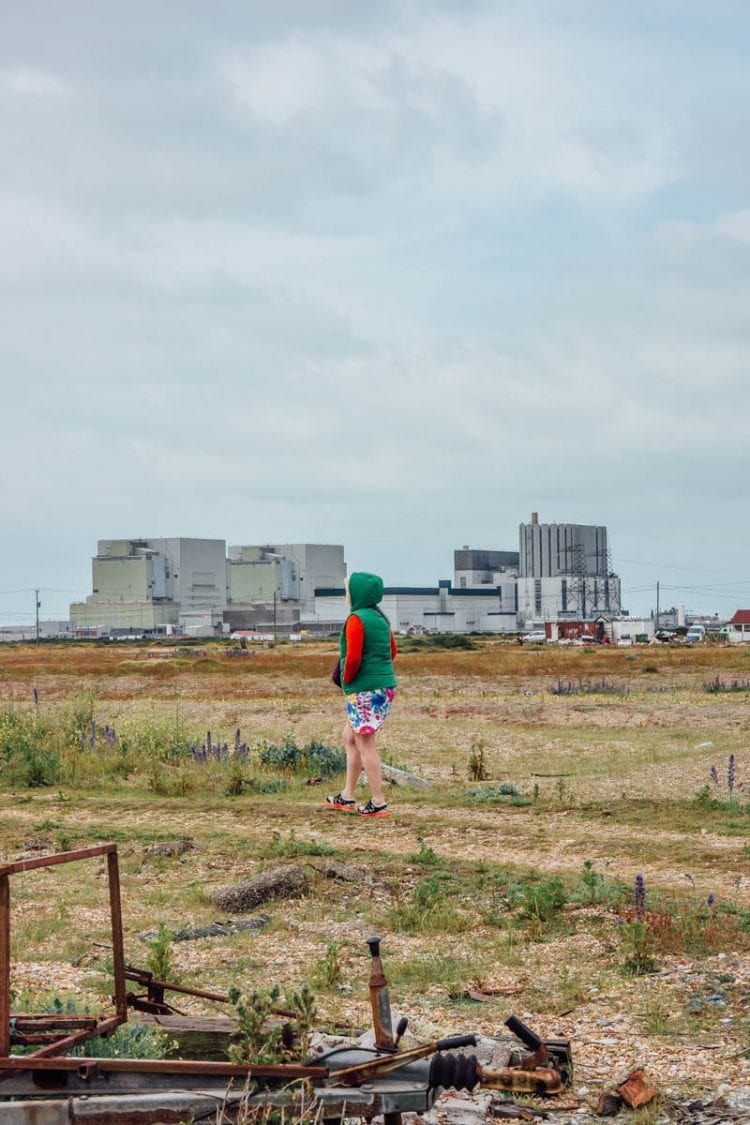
column 140, row 584
column 258, row 574
column 48, row 630
column 480, row 570
column 272, row 587
column 564, row 570
column 419, row 609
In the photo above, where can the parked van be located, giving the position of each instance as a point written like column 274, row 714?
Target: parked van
column 696, row 634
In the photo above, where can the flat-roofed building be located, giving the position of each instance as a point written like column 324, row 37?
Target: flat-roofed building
column 143, row 583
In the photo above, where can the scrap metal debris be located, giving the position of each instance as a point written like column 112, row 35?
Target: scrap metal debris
column 212, row 929
column 170, row 848
column 716, row 1112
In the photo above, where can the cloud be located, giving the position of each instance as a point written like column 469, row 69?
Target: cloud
column 29, row 82
column 391, row 275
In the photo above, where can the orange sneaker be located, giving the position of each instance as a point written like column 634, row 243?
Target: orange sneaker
column 341, row 803
column 371, row 809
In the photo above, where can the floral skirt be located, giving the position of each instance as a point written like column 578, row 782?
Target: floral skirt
column 368, row 710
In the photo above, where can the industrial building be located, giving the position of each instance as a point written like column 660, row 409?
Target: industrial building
column 425, row 609
column 564, row 570
column 560, row 572
column 273, row 587
column 149, row 585
column 142, row 584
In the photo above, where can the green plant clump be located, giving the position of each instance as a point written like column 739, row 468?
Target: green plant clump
column 430, row 910
column 263, row 1042
column 159, row 960
column 315, row 757
column 288, row 847
column 504, row 794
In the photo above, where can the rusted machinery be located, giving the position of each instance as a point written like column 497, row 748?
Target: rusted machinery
column 355, row 1081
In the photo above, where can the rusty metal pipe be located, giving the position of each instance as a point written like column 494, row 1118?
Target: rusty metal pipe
column 543, row 1080
column 381, row 1006
column 4, row 965
column 118, row 949
column 53, row 860
column 160, row 1066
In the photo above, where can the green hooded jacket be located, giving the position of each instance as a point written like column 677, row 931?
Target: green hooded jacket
column 376, row 668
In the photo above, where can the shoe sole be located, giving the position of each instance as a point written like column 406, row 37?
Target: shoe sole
column 341, row 808
column 372, row 815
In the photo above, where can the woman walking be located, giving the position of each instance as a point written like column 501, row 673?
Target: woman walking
column 367, row 649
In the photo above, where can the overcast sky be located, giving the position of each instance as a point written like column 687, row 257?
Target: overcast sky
column 390, row 274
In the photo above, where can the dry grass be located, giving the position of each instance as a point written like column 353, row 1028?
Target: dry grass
column 611, row 778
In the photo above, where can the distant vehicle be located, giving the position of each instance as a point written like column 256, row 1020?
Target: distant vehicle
column 695, row 634
column 535, row 637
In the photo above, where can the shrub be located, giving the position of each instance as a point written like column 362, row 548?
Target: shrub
column 596, row 888
column 159, row 961
column 288, row 847
column 315, row 757
column 477, row 767
column 27, row 753
column 717, row 685
column 504, row 794
column 542, row 901
column 588, row 687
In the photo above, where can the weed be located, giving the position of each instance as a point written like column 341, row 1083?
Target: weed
column 595, row 888
column 425, row 857
column 589, row 687
column 63, row 841
column 541, row 902
column 717, row 685
column 429, row 910
column 420, row 973
column 731, row 779
column 477, row 767
column 159, row 961
column 315, row 757
column 639, row 946
column 128, row 1041
column 262, row 1042
column 504, row 794
column 329, row 970
column 287, row 847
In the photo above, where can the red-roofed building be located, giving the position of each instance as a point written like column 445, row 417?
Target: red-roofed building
column 738, row 627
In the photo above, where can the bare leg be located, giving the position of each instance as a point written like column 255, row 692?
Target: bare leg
column 353, row 763
column 371, row 761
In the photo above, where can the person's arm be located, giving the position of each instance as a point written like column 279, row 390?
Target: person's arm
column 354, row 635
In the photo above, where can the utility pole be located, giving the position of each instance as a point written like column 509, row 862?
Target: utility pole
column 656, row 630
column 274, row 617
column 37, row 604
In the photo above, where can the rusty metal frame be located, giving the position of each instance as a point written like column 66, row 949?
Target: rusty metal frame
column 89, row 1028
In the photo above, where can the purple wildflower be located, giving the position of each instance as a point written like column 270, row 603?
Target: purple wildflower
column 711, row 899
column 714, row 775
column 639, row 895
column 730, row 774
column 92, row 734
column 36, row 696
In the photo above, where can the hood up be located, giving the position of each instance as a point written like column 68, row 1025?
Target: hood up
column 365, row 590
